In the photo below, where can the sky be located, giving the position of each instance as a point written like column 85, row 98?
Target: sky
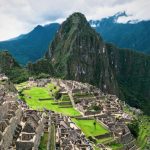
column 21, row 16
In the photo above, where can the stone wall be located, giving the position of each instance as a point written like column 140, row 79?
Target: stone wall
column 24, row 145
column 106, row 135
column 3, row 110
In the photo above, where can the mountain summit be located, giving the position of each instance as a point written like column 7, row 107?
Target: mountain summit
column 78, row 52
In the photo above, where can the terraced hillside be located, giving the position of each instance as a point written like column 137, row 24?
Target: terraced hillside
column 44, row 97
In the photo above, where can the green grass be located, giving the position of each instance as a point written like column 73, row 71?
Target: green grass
column 105, row 140
column 144, row 132
column 96, row 148
column 65, row 98
column 32, row 96
column 21, row 85
column 116, row 146
column 43, row 142
column 80, row 95
column 52, row 138
column 89, row 129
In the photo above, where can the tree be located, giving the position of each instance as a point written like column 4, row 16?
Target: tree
column 94, row 123
column 134, row 128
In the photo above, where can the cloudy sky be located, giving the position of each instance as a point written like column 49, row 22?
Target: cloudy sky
column 21, row 16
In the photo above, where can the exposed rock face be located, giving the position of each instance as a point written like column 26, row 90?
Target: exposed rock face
column 79, row 53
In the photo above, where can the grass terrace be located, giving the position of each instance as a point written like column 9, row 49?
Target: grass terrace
column 43, row 143
column 116, row 146
column 88, row 128
column 32, row 96
column 21, row 85
column 52, row 138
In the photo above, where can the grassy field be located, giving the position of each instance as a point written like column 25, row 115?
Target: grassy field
column 33, row 95
column 88, row 127
column 52, row 138
column 43, row 143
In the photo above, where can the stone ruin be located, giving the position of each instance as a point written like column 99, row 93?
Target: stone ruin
column 69, row 136
column 22, row 128
column 110, row 114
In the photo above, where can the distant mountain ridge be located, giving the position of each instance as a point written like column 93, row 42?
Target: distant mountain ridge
column 30, row 46
column 33, row 45
column 133, row 34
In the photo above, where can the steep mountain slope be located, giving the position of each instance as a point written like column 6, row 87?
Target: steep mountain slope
column 133, row 35
column 132, row 71
column 79, row 53
column 11, row 68
column 31, row 46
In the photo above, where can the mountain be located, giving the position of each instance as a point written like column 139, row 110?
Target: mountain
column 11, row 68
column 133, row 34
column 33, row 45
column 30, row 46
column 79, row 53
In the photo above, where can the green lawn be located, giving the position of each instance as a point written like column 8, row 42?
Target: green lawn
column 88, row 127
column 32, row 96
column 116, row 146
column 43, row 143
column 105, row 140
column 52, row 138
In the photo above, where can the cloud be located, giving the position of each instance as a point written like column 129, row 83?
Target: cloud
column 20, row 16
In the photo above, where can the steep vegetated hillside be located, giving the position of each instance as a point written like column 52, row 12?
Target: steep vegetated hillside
column 79, row 53
column 11, row 68
column 132, row 72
